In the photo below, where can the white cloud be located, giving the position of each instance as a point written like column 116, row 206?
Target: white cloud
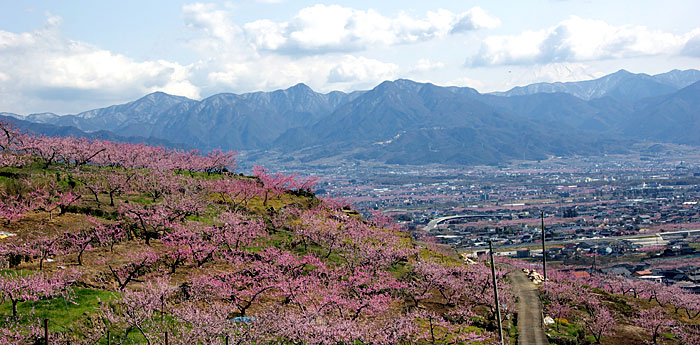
column 213, row 27
column 692, row 47
column 320, row 72
column 311, row 48
column 351, row 69
column 43, row 65
column 474, row 19
column 578, row 39
column 467, row 82
column 424, row 65
column 322, row 29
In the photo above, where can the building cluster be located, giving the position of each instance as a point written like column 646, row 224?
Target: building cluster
column 681, row 273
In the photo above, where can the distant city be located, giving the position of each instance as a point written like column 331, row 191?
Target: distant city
column 615, row 207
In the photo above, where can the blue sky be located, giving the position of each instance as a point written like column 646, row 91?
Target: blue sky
column 70, row 56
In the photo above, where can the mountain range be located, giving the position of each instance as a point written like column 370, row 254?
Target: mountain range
column 407, row 122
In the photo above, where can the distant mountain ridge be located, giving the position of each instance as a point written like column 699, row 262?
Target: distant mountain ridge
column 621, row 85
column 115, row 116
column 407, row 122
column 226, row 120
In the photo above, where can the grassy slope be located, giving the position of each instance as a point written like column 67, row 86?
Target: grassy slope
column 66, row 316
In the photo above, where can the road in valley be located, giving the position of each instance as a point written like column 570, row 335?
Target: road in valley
column 658, row 235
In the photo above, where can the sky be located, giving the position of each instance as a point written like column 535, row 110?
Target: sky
column 71, row 56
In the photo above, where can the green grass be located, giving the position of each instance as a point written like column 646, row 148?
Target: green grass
column 22, row 273
column 61, row 313
column 618, row 303
column 569, row 331
column 145, row 200
column 431, row 255
column 283, row 238
column 400, row 269
column 6, row 180
column 513, row 332
column 207, row 216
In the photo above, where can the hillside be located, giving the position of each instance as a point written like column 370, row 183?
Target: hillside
column 140, row 244
column 675, row 118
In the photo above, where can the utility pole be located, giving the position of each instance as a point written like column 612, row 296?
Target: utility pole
column 544, row 251
column 595, row 267
column 495, row 294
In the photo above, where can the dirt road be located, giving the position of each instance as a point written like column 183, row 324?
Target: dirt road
column 530, row 330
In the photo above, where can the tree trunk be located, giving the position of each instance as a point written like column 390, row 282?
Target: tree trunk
column 94, row 193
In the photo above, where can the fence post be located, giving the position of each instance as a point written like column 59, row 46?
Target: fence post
column 108, row 338
column 166, row 338
column 46, row 331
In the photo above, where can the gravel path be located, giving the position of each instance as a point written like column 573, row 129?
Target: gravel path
column 530, row 330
